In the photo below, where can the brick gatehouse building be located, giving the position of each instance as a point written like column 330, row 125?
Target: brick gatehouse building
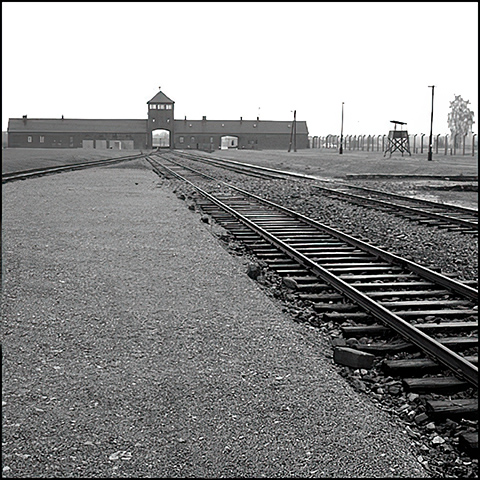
column 159, row 130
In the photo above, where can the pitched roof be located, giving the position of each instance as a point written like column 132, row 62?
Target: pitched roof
column 226, row 127
column 160, row 97
column 182, row 127
column 73, row 125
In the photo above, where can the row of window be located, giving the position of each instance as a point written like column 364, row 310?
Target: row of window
column 192, row 139
column 42, row 139
column 160, row 106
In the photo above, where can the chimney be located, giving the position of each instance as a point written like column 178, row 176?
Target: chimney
column 258, row 119
column 204, row 118
column 185, row 118
column 24, row 119
column 241, row 119
column 62, row 117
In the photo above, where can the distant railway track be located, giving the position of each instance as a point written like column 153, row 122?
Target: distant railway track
column 451, row 217
column 36, row 172
column 445, row 216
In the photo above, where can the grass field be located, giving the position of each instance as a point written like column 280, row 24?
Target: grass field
column 329, row 163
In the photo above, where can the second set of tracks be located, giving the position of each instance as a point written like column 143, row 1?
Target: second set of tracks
column 435, row 214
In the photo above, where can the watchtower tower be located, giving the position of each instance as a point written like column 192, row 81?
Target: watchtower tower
column 398, row 140
column 160, row 123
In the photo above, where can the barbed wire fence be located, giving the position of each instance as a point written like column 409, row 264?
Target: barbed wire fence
column 442, row 144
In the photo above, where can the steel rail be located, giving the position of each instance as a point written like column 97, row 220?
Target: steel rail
column 425, row 272
column 440, row 216
column 10, row 176
column 462, row 367
column 272, row 170
column 419, row 200
column 241, row 168
column 461, row 222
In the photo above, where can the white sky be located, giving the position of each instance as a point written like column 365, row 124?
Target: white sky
column 226, row 60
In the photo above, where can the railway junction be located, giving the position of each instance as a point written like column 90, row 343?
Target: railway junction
column 184, row 366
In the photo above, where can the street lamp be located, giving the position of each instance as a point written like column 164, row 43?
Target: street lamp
column 341, row 135
column 431, row 127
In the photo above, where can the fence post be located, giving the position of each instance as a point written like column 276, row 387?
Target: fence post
column 464, row 139
column 454, row 145
column 473, row 144
column 383, row 143
column 414, row 140
column 446, row 143
column 436, row 148
column 421, row 143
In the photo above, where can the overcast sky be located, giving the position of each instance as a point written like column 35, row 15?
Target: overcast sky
column 229, row 60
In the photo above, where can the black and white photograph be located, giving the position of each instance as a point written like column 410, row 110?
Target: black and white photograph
column 239, row 240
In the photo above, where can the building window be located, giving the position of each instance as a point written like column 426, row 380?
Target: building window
column 192, row 139
column 181, row 139
column 211, row 139
column 29, row 139
column 42, row 139
column 168, row 107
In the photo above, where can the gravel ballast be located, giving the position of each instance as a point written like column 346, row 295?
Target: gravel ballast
column 134, row 345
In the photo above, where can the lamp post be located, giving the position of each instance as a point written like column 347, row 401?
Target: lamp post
column 341, row 135
column 431, row 127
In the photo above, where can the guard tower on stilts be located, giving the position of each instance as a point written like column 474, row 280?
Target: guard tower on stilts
column 397, row 140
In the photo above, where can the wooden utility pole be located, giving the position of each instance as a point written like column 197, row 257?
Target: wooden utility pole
column 341, row 135
column 293, row 133
column 429, row 156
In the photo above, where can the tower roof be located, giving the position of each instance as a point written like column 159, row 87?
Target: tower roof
column 160, row 97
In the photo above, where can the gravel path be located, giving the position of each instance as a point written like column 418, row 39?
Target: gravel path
column 134, row 348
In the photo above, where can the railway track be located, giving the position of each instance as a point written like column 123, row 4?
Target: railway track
column 450, row 217
column 421, row 325
column 440, row 215
column 37, row 172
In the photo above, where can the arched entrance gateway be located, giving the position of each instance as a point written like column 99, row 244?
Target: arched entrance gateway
column 161, row 138
column 160, row 123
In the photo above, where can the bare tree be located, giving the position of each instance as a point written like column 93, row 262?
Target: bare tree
column 460, row 118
